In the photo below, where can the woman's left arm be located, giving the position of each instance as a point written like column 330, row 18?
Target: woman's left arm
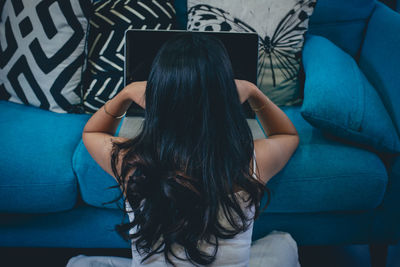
column 98, row 133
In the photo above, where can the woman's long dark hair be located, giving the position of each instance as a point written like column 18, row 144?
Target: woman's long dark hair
column 194, row 146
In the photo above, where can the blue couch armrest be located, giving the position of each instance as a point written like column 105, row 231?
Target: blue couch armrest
column 380, row 58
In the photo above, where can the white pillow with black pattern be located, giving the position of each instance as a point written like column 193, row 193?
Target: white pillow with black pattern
column 280, row 24
column 104, row 76
column 42, row 53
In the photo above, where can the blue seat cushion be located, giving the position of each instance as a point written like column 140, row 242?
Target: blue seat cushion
column 326, row 175
column 97, row 187
column 36, row 158
column 323, row 175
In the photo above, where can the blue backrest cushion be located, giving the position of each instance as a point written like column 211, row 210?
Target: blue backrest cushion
column 339, row 99
column 342, row 21
column 181, row 13
column 380, row 58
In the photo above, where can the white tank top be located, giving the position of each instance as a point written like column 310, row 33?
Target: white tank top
column 233, row 252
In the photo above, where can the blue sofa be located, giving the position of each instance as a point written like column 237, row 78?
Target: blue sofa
column 52, row 193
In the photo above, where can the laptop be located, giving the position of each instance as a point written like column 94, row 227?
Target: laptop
column 141, row 47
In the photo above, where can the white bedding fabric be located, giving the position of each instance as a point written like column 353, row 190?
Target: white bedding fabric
column 278, row 249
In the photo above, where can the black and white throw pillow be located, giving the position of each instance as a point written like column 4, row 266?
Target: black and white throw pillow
column 280, row 24
column 42, row 53
column 104, row 75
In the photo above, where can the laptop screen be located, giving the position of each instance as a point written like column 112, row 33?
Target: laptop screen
column 141, row 47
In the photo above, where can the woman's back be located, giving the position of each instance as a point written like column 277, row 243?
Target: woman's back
column 194, row 123
column 231, row 252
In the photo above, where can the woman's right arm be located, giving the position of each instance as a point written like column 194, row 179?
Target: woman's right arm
column 274, row 152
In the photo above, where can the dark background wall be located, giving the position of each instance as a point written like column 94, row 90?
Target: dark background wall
column 394, row 4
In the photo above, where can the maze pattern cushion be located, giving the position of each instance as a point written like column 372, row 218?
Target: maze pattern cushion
column 280, row 24
column 104, row 76
column 42, row 52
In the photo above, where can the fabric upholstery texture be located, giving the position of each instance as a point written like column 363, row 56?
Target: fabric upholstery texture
column 42, row 53
column 35, row 159
column 322, row 228
column 181, row 13
column 76, row 228
column 380, row 58
column 315, row 178
column 329, row 193
column 94, row 181
column 339, row 99
column 81, row 227
column 324, row 175
column 343, row 22
column 104, row 76
column 280, row 25
column 387, row 217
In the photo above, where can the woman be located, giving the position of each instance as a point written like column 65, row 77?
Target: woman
column 193, row 178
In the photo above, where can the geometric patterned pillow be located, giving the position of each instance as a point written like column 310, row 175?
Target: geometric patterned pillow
column 104, row 76
column 42, row 53
column 280, row 25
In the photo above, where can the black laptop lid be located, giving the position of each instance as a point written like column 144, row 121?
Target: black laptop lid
column 141, row 47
